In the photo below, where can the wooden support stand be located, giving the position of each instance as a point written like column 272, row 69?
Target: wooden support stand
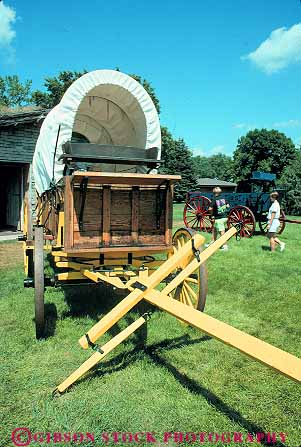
column 275, row 358
column 97, row 356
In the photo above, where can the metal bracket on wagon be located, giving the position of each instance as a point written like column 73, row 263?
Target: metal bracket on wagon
column 196, row 252
column 139, row 285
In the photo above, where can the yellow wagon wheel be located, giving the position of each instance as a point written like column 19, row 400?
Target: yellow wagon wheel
column 193, row 290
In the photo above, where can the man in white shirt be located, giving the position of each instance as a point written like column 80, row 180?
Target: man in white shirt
column 274, row 222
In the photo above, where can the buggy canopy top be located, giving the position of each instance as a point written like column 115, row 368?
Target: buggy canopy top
column 101, row 107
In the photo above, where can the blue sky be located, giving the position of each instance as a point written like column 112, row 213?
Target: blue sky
column 218, row 67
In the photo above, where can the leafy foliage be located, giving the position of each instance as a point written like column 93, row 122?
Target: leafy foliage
column 263, row 150
column 219, row 166
column 178, row 160
column 55, row 88
column 13, row 93
column 291, row 178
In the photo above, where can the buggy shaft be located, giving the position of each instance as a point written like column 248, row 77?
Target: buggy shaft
column 138, row 294
column 275, row 358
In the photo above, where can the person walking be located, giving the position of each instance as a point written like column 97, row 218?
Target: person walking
column 219, row 211
column 274, row 222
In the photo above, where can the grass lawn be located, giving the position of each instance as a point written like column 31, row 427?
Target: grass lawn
column 181, row 380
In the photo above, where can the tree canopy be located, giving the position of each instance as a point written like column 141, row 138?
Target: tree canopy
column 291, row 180
column 263, row 150
column 55, row 88
column 14, row 93
column 178, row 161
column 219, row 166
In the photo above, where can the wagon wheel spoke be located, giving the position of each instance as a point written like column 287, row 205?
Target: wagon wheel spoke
column 242, row 215
column 192, row 280
column 192, row 291
column 187, row 298
column 200, row 209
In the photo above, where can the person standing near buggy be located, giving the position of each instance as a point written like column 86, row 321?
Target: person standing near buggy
column 219, row 212
column 274, row 222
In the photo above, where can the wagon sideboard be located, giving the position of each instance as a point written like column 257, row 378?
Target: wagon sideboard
column 117, row 211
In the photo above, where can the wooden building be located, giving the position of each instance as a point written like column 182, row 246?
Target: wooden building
column 18, row 135
column 207, row 185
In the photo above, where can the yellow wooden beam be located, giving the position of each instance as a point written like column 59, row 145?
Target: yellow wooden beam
column 275, row 358
column 69, row 276
column 137, row 294
column 72, row 265
column 97, row 277
column 194, row 264
column 97, row 356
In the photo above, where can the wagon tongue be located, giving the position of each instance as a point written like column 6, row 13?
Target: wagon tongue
column 275, row 358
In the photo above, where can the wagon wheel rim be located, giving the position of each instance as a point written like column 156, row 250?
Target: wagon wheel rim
column 196, row 214
column 282, row 222
column 243, row 216
column 28, row 261
column 263, row 223
column 39, row 281
column 193, row 290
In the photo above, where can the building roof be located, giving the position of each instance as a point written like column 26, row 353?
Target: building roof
column 14, row 118
column 214, row 182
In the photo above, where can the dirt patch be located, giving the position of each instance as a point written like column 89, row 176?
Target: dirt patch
column 11, row 254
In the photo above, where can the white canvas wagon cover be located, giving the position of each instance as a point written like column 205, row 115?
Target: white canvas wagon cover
column 105, row 107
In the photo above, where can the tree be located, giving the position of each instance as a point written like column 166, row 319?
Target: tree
column 178, row 161
column 219, row 166
column 55, row 88
column 263, row 150
column 13, row 93
column 291, row 180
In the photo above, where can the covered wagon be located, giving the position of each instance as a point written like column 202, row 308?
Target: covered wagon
column 105, row 216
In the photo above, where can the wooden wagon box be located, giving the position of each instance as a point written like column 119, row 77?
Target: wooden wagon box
column 118, row 211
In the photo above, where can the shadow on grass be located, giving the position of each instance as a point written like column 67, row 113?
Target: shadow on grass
column 195, row 388
column 96, row 300
column 121, row 361
column 50, row 319
column 265, row 248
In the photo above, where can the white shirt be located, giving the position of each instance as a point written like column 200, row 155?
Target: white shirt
column 274, row 208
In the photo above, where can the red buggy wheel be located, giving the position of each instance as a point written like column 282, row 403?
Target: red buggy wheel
column 197, row 215
column 243, row 216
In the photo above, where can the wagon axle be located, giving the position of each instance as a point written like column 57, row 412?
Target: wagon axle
column 49, row 281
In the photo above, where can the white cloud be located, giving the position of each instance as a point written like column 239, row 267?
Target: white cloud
column 203, row 152
column 7, row 33
column 289, row 123
column 280, row 49
column 240, row 125
column 245, row 126
column 198, row 151
column 217, row 149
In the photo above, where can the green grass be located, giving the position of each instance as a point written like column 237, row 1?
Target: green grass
column 181, row 380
